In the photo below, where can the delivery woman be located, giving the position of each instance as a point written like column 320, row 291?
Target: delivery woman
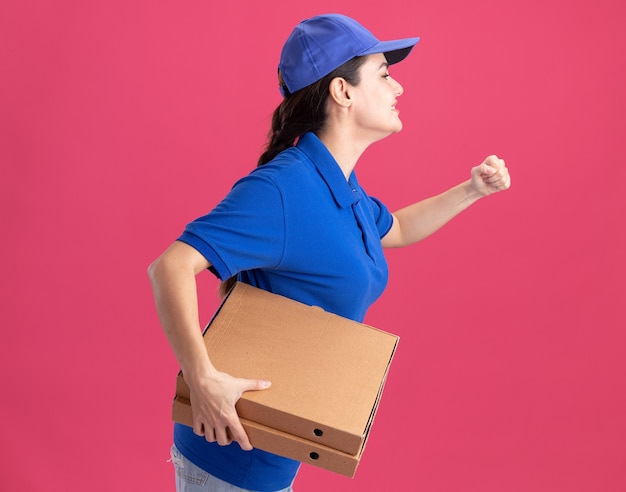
column 299, row 225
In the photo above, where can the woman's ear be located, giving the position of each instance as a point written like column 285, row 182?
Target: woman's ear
column 339, row 91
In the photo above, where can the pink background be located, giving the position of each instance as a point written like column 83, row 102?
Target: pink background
column 121, row 121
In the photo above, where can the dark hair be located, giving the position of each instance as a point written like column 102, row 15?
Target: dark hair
column 304, row 110
column 301, row 112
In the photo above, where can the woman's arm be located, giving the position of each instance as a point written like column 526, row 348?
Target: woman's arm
column 213, row 393
column 419, row 220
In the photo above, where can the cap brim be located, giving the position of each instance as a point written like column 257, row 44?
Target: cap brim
column 395, row 51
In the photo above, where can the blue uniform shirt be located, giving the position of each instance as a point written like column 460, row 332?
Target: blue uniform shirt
column 298, row 228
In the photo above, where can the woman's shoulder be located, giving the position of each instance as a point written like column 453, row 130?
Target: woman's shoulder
column 291, row 165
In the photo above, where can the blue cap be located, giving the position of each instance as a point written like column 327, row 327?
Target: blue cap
column 319, row 45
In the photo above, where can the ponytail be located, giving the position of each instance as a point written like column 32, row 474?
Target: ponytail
column 296, row 115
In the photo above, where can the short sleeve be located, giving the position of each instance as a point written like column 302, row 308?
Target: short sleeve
column 382, row 216
column 245, row 231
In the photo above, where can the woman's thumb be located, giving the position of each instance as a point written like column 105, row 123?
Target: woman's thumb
column 256, row 384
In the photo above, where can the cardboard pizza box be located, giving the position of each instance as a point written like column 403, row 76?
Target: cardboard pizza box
column 327, row 375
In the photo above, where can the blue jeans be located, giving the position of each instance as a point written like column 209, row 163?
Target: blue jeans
column 191, row 478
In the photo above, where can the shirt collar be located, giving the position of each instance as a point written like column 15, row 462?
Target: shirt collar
column 343, row 191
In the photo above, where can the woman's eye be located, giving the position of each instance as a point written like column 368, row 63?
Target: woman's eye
column 386, row 76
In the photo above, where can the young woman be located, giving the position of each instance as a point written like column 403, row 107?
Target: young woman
column 301, row 226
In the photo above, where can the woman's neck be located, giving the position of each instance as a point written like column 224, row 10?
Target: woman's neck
column 345, row 149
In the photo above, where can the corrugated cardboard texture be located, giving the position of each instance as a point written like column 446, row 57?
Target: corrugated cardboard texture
column 327, row 372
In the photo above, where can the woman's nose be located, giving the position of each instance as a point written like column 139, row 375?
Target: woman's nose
column 399, row 88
